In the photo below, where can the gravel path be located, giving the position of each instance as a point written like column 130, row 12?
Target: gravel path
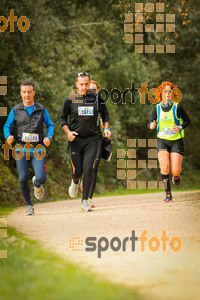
column 159, row 274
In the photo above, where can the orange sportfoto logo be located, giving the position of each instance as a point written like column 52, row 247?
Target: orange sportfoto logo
column 23, row 22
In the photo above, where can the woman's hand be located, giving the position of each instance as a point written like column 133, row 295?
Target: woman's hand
column 153, row 125
column 176, row 128
column 107, row 133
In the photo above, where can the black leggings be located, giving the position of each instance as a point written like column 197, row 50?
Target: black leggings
column 97, row 161
column 82, row 153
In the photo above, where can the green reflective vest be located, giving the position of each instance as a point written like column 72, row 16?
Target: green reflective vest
column 165, row 122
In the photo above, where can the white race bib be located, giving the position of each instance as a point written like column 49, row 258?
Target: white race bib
column 167, row 132
column 33, row 137
column 85, row 110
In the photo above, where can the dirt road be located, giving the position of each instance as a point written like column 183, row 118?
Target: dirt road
column 159, row 274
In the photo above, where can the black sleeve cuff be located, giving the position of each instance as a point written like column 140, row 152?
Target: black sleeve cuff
column 63, row 124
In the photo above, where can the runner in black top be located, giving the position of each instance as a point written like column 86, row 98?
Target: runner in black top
column 94, row 86
column 82, row 134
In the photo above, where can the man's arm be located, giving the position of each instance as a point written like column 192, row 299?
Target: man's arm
column 50, row 128
column 8, row 127
column 65, row 112
column 105, row 117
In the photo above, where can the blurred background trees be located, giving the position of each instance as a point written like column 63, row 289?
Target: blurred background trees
column 68, row 37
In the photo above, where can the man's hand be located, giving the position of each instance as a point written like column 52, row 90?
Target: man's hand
column 10, row 140
column 71, row 135
column 107, row 133
column 153, row 125
column 176, row 128
column 46, row 141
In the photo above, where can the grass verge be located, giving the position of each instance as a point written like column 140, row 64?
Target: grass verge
column 31, row 272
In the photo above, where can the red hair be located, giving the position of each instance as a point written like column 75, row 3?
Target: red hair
column 161, row 87
column 95, row 82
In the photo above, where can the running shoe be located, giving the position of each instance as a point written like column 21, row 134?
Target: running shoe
column 82, row 185
column 73, row 190
column 29, row 211
column 90, row 203
column 176, row 180
column 85, row 206
column 168, row 198
column 38, row 191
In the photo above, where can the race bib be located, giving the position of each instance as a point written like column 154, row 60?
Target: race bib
column 85, row 110
column 167, row 132
column 33, row 137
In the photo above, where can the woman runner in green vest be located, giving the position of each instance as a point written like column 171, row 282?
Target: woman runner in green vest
column 170, row 119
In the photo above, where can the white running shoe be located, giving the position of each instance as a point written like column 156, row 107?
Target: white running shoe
column 29, row 211
column 38, row 191
column 85, row 206
column 73, row 190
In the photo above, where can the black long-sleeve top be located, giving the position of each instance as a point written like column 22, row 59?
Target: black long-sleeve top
column 83, row 116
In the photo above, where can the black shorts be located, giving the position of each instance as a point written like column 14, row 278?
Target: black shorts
column 176, row 146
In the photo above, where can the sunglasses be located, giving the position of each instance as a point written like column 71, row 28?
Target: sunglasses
column 83, row 74
column 167, row 91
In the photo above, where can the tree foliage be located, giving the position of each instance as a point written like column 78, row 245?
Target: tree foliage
column 67, row 37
